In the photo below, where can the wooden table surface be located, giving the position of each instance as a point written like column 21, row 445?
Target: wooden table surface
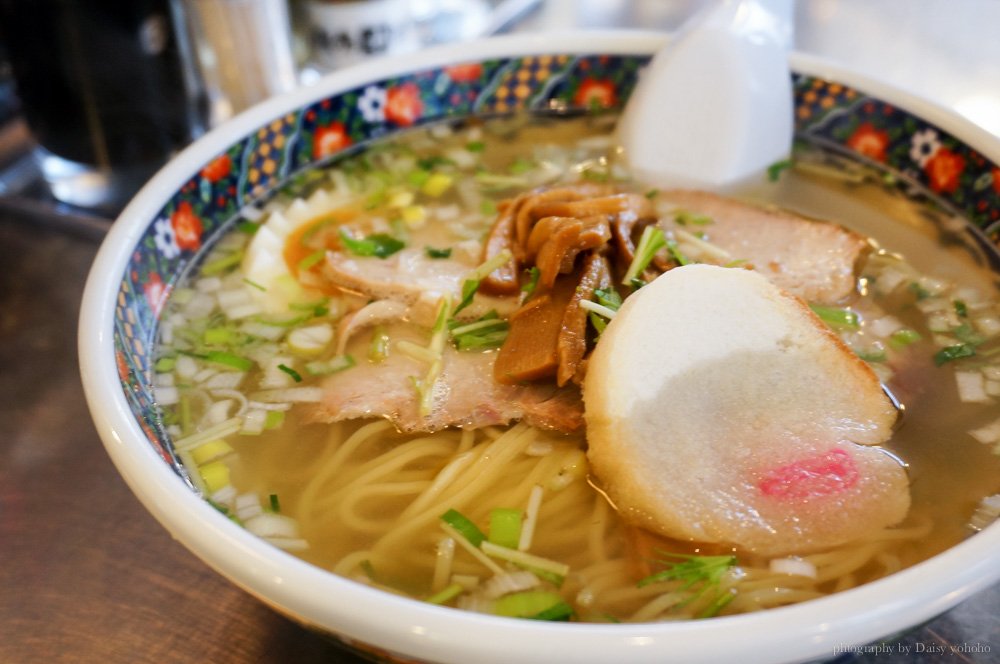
column 86, row 575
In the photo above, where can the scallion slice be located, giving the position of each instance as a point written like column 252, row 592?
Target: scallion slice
column 464, row 526
column 651, row 241
column 836, row 317
column 505, row 527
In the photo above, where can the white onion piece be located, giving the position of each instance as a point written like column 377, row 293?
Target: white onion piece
column 971, row 387
column 793, row 567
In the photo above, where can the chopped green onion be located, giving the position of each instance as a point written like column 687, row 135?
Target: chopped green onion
column 464, row 527
column 836, row 317
column 229, row 360
column 221, row 336
column 652, row 193
column 487, row 208
column 651, row 241
column 919, row 291
column 961, row 308
column 418, row 177
column 775, row 170
column 254, row 284
column 691, row 569
column 165, row 364
column 529, row 286
column 635, row 283
column 378, row 349
column 687, row 218
column 446, row 595
column 505, row 527
column 676, row 253
column 717, row 605
column 274, row 419
column 498, row 181
column 557, row 613
column 248, row 227
column 520, row 166
column 530, row 604
column 489, row 331
column 475, row 146
column 903, row 337
column 876, row 355
column 312, row 259
column 333, row 365
column 296, row 376
column 608, row 297
column 966, row 334
column 378, row 244
column 273, row 501
column 222, row 263
column 471, row 283
column 525, row 560
column 952, row 353
column 438, row 253
column 599, row 322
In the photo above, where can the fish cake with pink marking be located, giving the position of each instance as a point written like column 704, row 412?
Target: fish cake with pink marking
column 721, row 409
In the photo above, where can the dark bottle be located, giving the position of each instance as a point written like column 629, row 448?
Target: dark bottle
column 105, row 83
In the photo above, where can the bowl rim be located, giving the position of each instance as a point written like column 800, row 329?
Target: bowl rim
column 806, row 631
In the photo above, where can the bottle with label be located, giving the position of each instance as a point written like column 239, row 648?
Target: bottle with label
column 337, row 33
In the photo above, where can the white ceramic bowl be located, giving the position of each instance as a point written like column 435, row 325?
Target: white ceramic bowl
column 139, row 259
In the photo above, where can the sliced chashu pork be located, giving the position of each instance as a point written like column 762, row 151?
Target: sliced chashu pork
column 818, row 261
column 465, row 395
column 411, row 277
column 719, row 408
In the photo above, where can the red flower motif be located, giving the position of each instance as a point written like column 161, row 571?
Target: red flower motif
column 943, row 169
column 187, row 226
column 330, row 139
column 122, row 366
column 464, row 73
column 996, row 179
column 156, row 292
column 869, row 141
column 217, row 169
column 403, row 105
column 596, row 93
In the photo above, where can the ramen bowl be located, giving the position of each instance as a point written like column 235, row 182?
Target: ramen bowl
column 183, row 210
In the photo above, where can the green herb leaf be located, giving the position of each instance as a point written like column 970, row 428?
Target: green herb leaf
column 608, row 297
column 296, row 376
column 378, row 244
column 275, row 505
column 691, row 569
column 961, row 308
column 952, row 353
column 475, row 146
column 438, row 253
column 229, row 360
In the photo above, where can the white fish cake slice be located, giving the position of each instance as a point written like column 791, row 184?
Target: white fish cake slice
column 719, row 408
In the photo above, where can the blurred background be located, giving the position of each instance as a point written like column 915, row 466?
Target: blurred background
column 95, row 95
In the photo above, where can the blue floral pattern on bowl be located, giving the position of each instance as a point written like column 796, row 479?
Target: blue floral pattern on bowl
column 830, row 113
